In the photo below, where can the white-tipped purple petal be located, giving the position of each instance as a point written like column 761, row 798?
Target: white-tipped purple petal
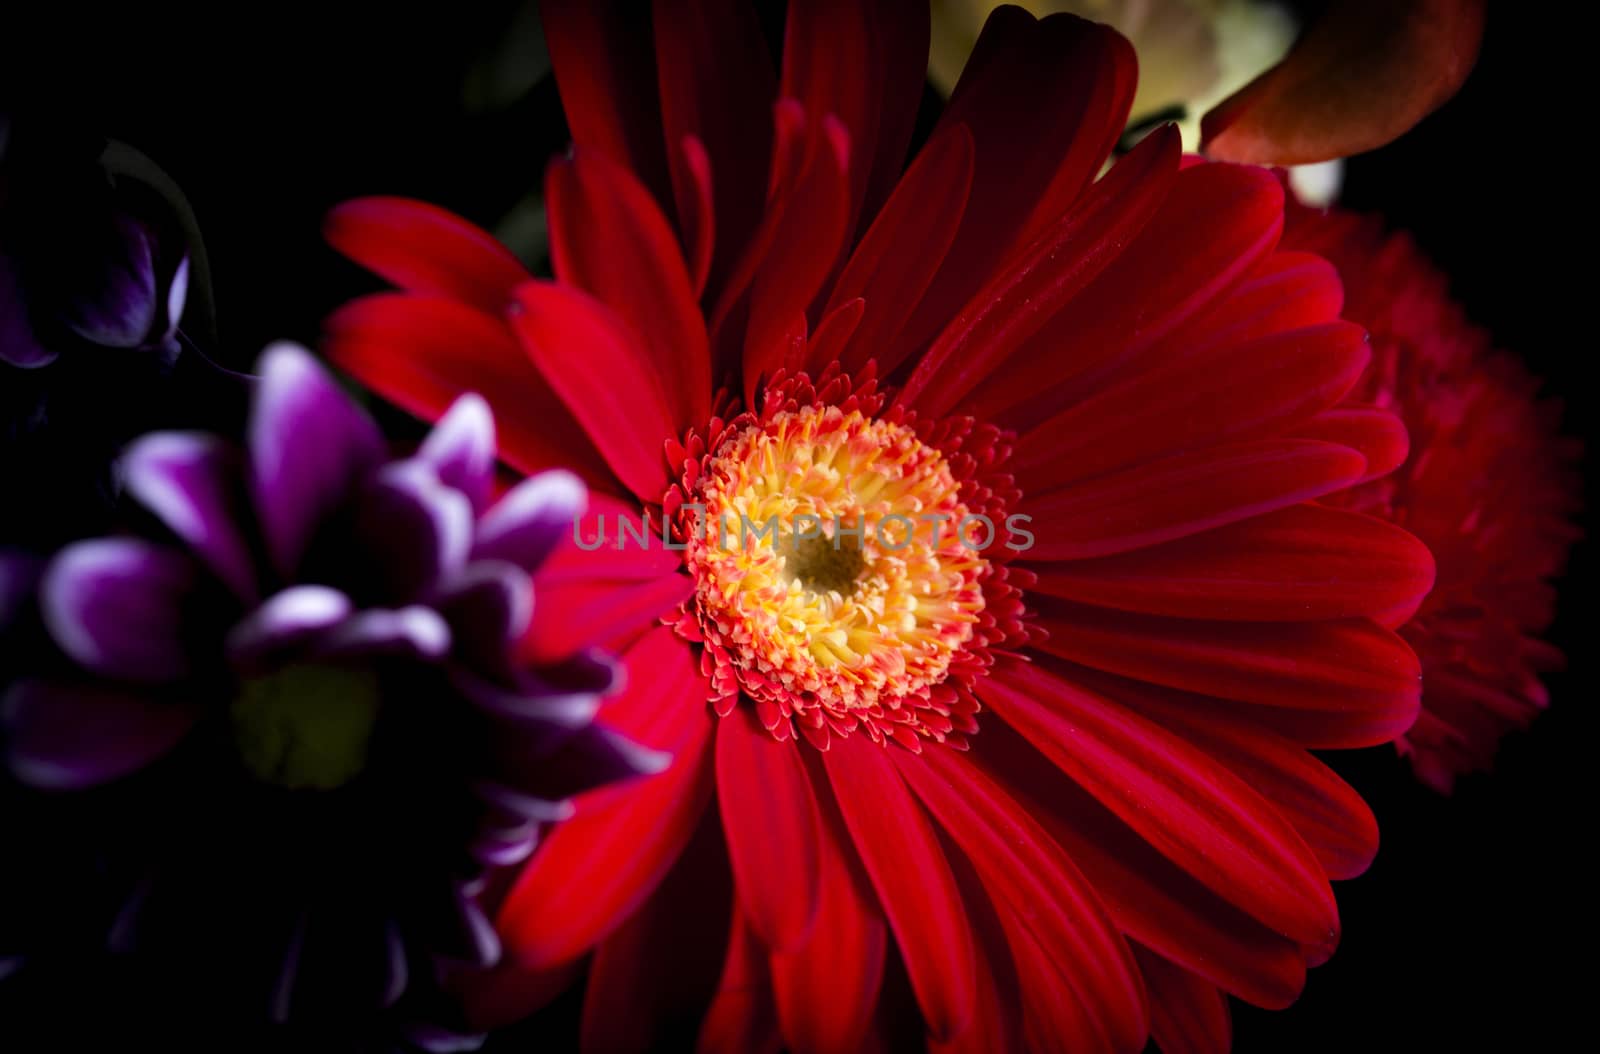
column 413, row 532
column 489, row 605
column 397, row 972
column 18, row 347
column 193, row 482
column 496, row 850
column 177, row 295
column 472, row 938
column 437, row 1040
column 461, row 448
column 309, row 444
column 411, row 632
column 525, row 524
column 591, row 670
column 288, row 974
column 65, row 735
column 592, row 758
column 286, row 620
column 122, row 608
column 119, row 307
column 527, row 806
column 563, row 713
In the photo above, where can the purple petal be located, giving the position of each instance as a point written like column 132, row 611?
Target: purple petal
column 523, row 805
column 591, row 670
column 288, row 974
column 17, row 344
column 67, row 736
column 461, row 448
column 19, row 573
column 437, row 1040
column 122, row 608
column 471, row 937
column 558, row 714
column 497, row 850
column 412, row 632
column 397, row 971
column 192, row 482
column 119, row 308
column 309, row 444
column 525, row 524
column 285, row 620
column 592, row 758
column 489, row 605
column 177, row 296
column 413, row 532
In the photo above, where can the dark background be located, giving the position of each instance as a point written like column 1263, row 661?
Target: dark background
column 1474, row 928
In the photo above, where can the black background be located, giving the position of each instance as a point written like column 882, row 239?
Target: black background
column 1475, row 926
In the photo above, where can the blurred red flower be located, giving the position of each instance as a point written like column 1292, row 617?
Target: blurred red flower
column 1489, row 485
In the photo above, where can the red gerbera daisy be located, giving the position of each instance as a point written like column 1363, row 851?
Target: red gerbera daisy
column 1067, row 820
column 1490, row 485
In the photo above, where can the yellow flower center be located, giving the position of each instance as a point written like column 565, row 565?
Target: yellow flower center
column 830, row 564
column 306, row 727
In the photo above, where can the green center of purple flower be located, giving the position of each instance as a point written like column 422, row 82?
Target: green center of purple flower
column 306, row 727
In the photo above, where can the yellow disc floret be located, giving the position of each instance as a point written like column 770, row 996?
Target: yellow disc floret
column 831, row 568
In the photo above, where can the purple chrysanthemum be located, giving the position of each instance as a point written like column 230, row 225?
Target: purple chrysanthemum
column 306, row 685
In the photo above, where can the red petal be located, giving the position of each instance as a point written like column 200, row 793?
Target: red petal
column 827, row 989
column 1198, row 814
column 1290, row 290
column 770, row 819
column 902, row 856
column 900, row 38
column 696, row 211
column 1379, row 435
column 1187, row 1015
column 729, row 317
column 608, row 237
column 507, row 993
column 863, row 63
column 905, row 246
column 997, row 1016
column 741, row 1019
column 1356, row 672
column 607, row 561
column 1360, row 77
column 596, row 868
column 584, row 351
column 424, row 249
column 1214, row 229
column 1229, row 392
column 1149, row 897
column 803, row 251
column 1306, row 563
column 1326, row 810
column 1185, row 494
column 1045, row 102
column 572, row 615
column 833, row 333
column 422, row 352
column 658, row 970
column 717, row 85
column 605, row 70
column 1035, row 284
column 1028, row 874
